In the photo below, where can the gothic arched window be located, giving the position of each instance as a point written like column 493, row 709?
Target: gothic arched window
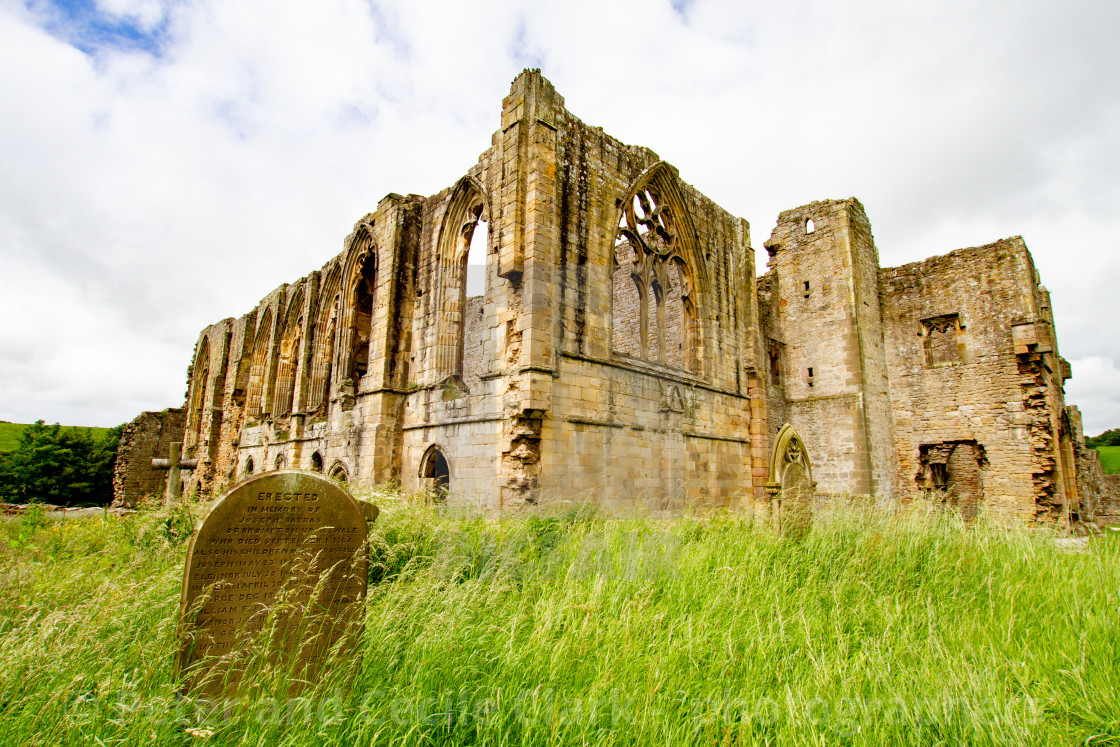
column 654, row 312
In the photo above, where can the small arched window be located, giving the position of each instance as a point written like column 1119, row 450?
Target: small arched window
column 435, row 470
column 338, row 472
column 316, row 462
column 249, row 466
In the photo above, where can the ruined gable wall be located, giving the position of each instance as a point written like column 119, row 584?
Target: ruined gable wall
column 979, row 397
column 621, row 429
column 147, row 437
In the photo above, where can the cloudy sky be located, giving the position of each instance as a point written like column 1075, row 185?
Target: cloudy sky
column 166, row 164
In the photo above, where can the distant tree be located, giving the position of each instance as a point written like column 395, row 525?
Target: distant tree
column 1108, row 438
column 66, row 466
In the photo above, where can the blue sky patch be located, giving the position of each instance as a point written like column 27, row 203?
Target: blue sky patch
column 84, row 26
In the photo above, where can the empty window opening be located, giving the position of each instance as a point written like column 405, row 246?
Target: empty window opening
column 954, row 471
column 363, row 317
column 943, row 342
column 249, row 466
column 279, row 461
column 810, row 377
column 810, row 226
column 361, row 362
column 436, row 473
column 463, row 252
column 316, row 462
column 476, row 259
column 774, row 353
column 806, row 289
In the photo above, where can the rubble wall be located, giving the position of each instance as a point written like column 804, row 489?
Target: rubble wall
column 978, row 394
column 147, row 437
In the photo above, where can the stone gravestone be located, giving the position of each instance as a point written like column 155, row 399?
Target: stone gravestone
column 797, row 499
column 281, row 561
column 791, row 485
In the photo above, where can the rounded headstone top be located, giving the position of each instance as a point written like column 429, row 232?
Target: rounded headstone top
column 280, row 530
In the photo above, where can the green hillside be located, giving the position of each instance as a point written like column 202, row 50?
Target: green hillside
column 1110, row 459
column 10, row 433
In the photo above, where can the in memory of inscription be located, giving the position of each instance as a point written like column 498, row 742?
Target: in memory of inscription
column 275, row 579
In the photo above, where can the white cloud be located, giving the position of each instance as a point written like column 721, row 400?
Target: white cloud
column 143, row 196
column 1094, row 389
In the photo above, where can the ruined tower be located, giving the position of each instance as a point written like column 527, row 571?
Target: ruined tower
column 828, row 373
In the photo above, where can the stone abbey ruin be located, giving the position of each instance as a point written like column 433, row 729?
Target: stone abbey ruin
column 624, row 351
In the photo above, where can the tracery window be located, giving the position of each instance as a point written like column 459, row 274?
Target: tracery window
column 654, row 316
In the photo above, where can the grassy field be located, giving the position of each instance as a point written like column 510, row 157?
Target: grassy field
column 10, row 433
column 588, row 631
column 1110, row 459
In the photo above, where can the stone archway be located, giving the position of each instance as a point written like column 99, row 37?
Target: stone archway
column 435, row 473
column 338, row 472
column 790, row 484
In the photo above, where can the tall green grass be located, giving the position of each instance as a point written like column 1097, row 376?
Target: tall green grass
column 578, row 629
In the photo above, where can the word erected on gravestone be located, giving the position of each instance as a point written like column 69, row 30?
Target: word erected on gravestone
column 280, row 561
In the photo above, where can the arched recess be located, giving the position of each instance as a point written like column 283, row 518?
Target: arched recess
column 338, row 472
column 200, row 378
column 258, row 369
column 467, row 210
column 316, row 462
column 791, row 480
column 288, row 360
column 360, row 297
column 323, row 354
column 657, row 275
column 248, row 466
column 435, row 472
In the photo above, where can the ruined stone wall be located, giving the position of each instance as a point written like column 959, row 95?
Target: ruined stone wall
column 623, row 351
column 1098, row 494
column 1108, row 509
column 147, row 437
column 458, row 360
column 971, row 390
column 821, row 318
column 643, row 311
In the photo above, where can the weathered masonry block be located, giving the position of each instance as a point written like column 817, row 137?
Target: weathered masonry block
column 622, row 350
column 148, row 436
